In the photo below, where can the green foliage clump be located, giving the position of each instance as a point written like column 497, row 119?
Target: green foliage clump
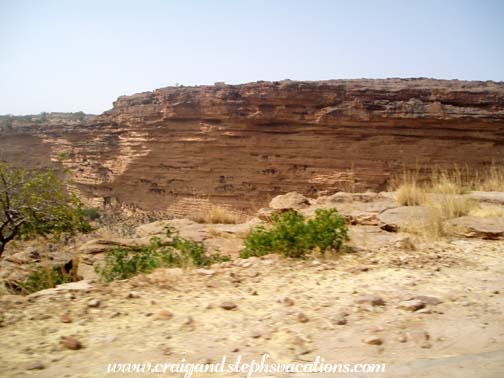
column 36, row 203
column 46, row 277
column 123, row 263
column 292, row 236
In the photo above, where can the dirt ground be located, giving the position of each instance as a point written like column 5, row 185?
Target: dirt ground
column 291, row 310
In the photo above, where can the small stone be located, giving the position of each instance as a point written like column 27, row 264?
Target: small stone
column 205, row 272
column 187, row 324
column 419, row 336
column 94, row 303
column 374, row 340
column 338, row 319
column 228, row 306
column 424, row 311
column 411, row 305
column 36, row 366
column 402, row 338
column 375, row 329
column 132, row 295
column 164, row 315
column 235, row 350
column 372, row 300
column 255, row 335
column 65, row 318
column 302, row 317
column 286, row 301
column 71, row 343
column 433, row 301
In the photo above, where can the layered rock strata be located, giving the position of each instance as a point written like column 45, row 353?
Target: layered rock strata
column 178, row 149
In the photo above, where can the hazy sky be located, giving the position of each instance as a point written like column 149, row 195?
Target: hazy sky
column 82, row 55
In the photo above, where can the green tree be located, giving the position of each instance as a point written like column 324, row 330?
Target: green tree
column 36, row 203
column 80, row 115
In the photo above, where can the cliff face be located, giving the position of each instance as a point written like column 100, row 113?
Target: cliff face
column 176, row 149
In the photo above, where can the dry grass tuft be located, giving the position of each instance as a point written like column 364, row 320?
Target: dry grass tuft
column 453, row 206
column 444, row 192
column 410, row 194
column 488, row 211
column 408, row 190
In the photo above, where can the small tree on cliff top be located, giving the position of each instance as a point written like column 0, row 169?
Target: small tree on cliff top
column 36, row 203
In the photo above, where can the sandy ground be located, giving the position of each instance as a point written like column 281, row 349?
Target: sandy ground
column 291, row 310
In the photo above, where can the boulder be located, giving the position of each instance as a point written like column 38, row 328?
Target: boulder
column 372, row 238
column 476, row 227
column 404, row 217
column 489, row 197
column 28, row 256
column 63, row 288
column 292, row 200
column 152, row 229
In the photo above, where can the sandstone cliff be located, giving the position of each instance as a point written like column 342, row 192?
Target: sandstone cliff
column 178, row 148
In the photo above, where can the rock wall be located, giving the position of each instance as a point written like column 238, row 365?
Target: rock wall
column 178, row 149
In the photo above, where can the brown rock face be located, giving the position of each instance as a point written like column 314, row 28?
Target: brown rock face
column 177, row 149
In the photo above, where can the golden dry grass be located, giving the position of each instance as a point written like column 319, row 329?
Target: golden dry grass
column 488, row 211
column 449, row 181
column 445, row 192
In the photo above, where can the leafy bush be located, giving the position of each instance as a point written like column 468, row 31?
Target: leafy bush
column 123, row 263
column 292, row 236
column 46, row 277
column 91, row 213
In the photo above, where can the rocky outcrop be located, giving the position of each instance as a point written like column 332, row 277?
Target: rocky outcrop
column 476, row 227
column 177, row 150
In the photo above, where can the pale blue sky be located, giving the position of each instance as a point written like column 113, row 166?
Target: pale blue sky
column 82, row 55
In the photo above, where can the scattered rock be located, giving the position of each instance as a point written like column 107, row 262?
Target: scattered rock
column 187, row 324
column 301, row 317
column 339, row 318
column 205, row 272
column 488, row 197
column 402, row 338
column 411, row 305
column 405, row 217
column 255, row 334
column 286, row 301
column 476, row 227
column 374, row 340
column 228, row 305
column 372, row 300
column 420, row 337
column 94, row 303
column 65, row 318
column 35, row 366
column 164, row 315
column 292, row 200
column 433, row 301
column 71, row 343
column 132, row 295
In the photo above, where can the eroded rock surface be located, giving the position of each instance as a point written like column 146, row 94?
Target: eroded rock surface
column 176, row 150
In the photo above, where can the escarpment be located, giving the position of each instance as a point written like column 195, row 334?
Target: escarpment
column 178, row 149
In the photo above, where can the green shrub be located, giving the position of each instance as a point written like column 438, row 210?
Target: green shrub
column 123, row 263
column 292, row 236
column 45, row 277
column 91, row 213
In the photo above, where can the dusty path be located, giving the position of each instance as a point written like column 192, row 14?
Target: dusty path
column 461, row 337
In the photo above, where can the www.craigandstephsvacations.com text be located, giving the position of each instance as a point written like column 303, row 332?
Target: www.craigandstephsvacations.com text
column 237, row 365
